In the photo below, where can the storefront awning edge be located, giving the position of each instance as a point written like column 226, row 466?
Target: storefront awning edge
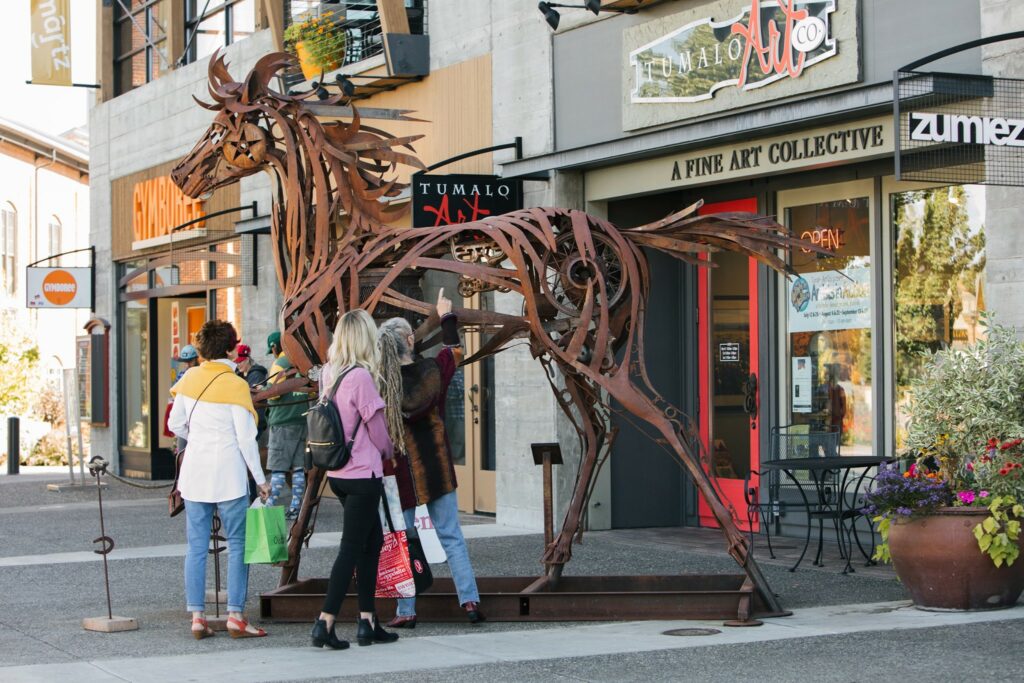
column 848, row 104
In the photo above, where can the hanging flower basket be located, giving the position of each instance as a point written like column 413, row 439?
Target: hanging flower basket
column 319, row 44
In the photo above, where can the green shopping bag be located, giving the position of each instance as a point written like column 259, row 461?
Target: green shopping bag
column 266, row 536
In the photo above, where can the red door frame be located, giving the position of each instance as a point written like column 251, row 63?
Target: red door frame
column 731, row 489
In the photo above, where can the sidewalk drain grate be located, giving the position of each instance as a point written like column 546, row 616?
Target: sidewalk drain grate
column 691, row 632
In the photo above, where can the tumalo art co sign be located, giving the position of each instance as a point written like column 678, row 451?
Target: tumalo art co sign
column 768, row 41
column 733, row 53
column 462, row 198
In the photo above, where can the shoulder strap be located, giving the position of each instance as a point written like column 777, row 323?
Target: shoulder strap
column 359, row 417
column 337, row 383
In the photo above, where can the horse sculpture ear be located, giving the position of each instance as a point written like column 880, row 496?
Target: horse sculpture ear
column 257, row 83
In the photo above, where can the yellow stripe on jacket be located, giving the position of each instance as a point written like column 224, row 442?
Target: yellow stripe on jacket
column 233, row 390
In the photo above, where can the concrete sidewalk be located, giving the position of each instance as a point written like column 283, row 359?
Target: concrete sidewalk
column 498, row 648
column 53, row 580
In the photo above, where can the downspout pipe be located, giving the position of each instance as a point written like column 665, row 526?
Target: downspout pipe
column 34, row 241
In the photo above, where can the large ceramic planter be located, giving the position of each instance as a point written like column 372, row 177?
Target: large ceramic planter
column 937, row 558
column 310, row 68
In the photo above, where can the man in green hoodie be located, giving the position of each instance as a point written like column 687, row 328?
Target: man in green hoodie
column 286, row 423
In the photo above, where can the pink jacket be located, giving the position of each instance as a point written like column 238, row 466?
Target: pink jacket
column 357, row 401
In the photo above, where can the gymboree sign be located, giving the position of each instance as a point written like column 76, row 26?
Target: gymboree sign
column 462, row 198
column 734, row 53
column 157, row 206
column 58, row 287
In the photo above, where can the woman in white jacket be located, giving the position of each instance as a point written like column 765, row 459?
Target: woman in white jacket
column 213, row 411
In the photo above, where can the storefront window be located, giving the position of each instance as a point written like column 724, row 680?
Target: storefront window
column 223, row 23
column 938, row 278
column 229, row 307
column 135, row 405
column 829, row 322
column 140, row 43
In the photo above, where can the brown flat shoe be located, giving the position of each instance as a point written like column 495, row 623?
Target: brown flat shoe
column 241, row 629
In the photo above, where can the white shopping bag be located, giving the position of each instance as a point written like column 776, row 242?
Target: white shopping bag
column 394, row 505
column 428, row 537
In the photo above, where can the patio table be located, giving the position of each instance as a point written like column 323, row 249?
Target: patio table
column 819, row 468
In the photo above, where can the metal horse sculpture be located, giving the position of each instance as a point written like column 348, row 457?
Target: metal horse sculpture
column 584, row 282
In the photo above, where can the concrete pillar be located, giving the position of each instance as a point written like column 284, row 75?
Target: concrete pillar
column 1004, row 206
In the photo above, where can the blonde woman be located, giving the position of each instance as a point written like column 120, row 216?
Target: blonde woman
column 354, row 354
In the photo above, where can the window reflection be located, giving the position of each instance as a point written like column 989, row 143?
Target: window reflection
column 136, row 374
column 938, row 278
column 223, row 23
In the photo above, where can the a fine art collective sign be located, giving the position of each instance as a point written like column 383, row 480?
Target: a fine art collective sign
column 733, row 53
column 462, row 198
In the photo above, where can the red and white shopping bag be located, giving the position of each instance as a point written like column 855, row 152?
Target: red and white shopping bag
column 394, row 573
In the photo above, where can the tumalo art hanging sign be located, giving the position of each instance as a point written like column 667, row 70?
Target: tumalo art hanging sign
column 734, row 53
column 461, row 198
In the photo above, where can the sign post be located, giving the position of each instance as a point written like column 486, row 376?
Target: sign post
column 546, row 455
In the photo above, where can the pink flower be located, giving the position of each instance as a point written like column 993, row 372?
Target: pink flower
column 966, row 497
column 983, row 494
column 970, row 467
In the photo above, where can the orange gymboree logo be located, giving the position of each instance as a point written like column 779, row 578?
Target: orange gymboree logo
column 60, row 287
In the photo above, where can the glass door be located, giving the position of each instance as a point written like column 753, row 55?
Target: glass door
column 468, row 405
column 729, row 371
column 827, row 313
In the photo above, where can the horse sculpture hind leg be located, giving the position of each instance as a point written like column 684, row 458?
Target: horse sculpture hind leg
column 634, row 400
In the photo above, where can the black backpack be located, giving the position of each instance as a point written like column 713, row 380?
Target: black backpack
column 326, row 447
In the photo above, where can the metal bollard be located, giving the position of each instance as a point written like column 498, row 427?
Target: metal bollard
column 13, row 445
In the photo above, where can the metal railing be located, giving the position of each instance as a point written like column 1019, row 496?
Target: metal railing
column 360, row 22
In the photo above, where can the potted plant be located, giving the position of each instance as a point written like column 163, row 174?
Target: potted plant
column 951, row 522
column 317, row 42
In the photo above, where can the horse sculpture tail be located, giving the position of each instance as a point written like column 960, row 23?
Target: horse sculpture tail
column 689, row 236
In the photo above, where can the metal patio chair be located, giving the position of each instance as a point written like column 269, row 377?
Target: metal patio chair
column 766, row 501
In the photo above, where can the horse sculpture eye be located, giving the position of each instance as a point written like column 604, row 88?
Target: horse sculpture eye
column 245, row 149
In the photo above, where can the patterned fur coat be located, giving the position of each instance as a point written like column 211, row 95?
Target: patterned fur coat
column 428, row 454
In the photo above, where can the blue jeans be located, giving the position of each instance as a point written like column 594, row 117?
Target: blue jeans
column 198, row 518
column 444, row 513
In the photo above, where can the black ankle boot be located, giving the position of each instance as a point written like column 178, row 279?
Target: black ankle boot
column 368, row 635
column 324, row 637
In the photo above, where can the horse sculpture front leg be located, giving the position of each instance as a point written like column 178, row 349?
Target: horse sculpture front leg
column 582, row 403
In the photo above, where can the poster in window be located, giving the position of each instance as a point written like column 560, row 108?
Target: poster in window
column 830, row 300
column 802, row 384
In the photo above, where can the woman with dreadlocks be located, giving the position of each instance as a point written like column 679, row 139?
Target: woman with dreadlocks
column 414, row 392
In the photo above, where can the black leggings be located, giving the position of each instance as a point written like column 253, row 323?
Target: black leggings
column 361, row 540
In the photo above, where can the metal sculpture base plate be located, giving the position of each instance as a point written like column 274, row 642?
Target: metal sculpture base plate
column 576, row 598
column 110, row 624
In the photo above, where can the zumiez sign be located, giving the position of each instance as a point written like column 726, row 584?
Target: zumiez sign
column 970, row 130
column 768, row 41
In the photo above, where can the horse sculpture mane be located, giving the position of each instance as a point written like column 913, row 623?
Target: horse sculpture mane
column 584, row 282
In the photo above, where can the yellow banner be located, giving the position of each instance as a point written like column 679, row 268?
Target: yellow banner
column 51, row 42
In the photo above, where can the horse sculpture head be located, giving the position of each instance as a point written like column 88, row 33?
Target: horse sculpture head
column 239, row 140
column 326, row 169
